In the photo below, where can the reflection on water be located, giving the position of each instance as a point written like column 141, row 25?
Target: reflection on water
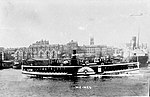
column 15, row 84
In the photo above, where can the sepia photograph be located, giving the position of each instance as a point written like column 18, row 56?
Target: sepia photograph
column 74, row 48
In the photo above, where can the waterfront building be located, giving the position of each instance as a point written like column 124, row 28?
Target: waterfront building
column 21, row 53
column 42, row 49
column 1, row 53
column 69, row 47
column 2, row 49
column 39, row 49
column 85, row 50
column 8, row 53
column 98, row 51
column 118, row 52
column 92, row 50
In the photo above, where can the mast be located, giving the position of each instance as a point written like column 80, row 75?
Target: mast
column 138, row 40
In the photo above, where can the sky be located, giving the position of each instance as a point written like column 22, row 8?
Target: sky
column 110, row 22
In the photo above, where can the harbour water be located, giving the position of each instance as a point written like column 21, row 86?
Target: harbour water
column 15, row 84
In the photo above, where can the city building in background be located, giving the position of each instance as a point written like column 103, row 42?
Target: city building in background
column 43, row 49
column 40, row 49
column 21, row 53
column 9, row 53
column 91, row 40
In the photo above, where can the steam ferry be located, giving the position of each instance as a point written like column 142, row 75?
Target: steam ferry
column 74, row 67
column 7, row 64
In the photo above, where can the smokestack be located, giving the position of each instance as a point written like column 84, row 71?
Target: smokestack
column 133, row 42
column 74, row 51
column 73, row 59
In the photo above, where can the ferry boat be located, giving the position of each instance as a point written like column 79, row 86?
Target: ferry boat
column 74, row 67
column 7, row 64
